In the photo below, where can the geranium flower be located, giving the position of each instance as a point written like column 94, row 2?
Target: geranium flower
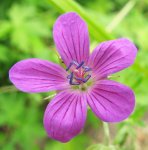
column 84, row 81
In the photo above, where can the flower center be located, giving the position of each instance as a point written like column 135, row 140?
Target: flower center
column 79, row 73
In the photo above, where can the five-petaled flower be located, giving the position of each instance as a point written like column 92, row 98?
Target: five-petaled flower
column 84, row 81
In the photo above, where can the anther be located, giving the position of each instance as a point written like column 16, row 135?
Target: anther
column 80, row 65
column 86, row 68
column 69, row 66
column 71, row 80
column 72, row 63
column 69, row 76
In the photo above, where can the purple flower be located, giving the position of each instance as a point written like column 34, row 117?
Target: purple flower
column 84, row 81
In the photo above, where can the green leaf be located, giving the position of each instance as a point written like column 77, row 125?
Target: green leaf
column 28, row 30
column 3, row 53
column 4, row 29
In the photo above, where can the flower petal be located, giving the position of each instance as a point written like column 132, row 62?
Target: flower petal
column 111, row 101
column 65, row 116
column 112, row 56
column 71, row 38
column 35, row 75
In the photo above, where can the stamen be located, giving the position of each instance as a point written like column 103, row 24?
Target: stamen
column 69, row 76
column 73, row 62
column 71, row 80
column 84, row 79
column 81, row 64
column 80, row 79
column 87, row 78
column 69, row 66
column 78, row 76
column 86, row 68
column 75, row 83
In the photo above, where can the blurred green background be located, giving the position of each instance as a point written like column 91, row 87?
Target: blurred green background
column 26, row 31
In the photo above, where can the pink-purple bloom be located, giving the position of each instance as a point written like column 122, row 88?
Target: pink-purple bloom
column 84, row 82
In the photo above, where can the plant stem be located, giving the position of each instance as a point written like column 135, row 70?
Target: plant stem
column 106, row 133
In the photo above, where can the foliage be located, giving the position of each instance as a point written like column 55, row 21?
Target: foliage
column 26, row 31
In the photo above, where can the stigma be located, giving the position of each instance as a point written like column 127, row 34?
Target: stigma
column 79, row 73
